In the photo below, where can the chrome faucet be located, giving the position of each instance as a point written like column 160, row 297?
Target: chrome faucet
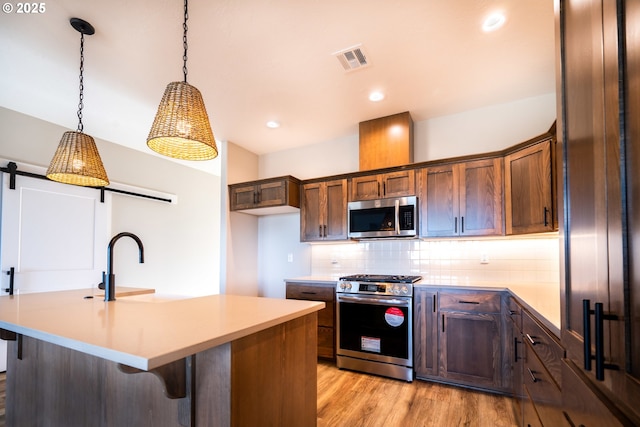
column 110, row 285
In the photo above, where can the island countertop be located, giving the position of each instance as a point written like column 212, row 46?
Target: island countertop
column 143, row 334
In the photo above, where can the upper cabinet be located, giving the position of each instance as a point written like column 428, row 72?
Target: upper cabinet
column 324, row 211
column 461, row 199
column 528, row 197
column 380, row 186
column 273, row 195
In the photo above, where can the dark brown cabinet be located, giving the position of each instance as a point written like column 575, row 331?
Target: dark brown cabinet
column 267, row 193
column 380, row 186
column 469, row 338
column 425, row 332
column 528, row 196
column 599, row 137
column 326, row 316
column 513, row 354
column 542, row 383
column 458, row 337
column 323, row 215
column 461, row 199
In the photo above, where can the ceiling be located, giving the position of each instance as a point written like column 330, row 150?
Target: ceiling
column 260, row 60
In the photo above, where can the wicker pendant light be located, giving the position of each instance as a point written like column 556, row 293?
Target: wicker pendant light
column 181, row 128
column 77, row 160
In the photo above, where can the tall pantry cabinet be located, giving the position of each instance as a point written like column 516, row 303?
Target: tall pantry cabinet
column 599, row 139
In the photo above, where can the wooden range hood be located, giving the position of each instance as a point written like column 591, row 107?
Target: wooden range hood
column 386, row 142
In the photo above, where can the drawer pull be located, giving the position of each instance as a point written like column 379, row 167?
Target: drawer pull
column 512, row 312
column 467, row 302
column 308, row 293
column 533, row 377
column 532, row 340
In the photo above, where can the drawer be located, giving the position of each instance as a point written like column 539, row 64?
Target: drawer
column 513, row 311
column 471, row 301
column 310, row 292
column 544, row 344
column 543, row 391
column 326, row 315
column 326, row 342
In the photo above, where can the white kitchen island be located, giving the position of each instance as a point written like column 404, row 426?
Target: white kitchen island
column 218, row 360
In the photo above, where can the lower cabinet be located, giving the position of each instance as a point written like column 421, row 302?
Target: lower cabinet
column 326, row 316
column 583, row 404
column 458, row 337
column 540, row 394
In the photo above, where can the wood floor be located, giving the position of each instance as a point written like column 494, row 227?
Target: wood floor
column 351, row 399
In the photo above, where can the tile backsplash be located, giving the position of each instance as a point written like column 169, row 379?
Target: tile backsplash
column 494, row 261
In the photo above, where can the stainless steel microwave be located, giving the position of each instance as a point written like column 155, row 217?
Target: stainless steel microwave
column 395, row 217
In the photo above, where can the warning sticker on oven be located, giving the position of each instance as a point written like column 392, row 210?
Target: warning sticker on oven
column 370, row 344
column 394, row 316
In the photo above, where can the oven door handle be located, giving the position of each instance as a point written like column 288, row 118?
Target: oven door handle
column 375, row 301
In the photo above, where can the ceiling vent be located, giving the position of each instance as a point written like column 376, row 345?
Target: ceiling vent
column 352, row 58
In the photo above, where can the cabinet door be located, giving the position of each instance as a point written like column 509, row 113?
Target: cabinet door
column 335, row 210
column 439, row 201
column 481, row 198
column 242, row 197
column 470, row 348
column 425, row 337
column 594, row 236
column 528, row 197
column 366, row 187
column 399, row 184
column 272, row 194
column 311, row 215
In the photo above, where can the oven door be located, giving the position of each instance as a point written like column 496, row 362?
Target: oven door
column 377, row 328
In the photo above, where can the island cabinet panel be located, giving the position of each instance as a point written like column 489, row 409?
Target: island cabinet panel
column 425, row 332
column 528, row 195
column 380, row 186
column 266, row 378
column 461, row 199
column 513, row 353
column 326, row 316
column 323, row 214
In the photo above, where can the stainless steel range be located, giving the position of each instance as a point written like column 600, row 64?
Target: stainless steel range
column 375, row 324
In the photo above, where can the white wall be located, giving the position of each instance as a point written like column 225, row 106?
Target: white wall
column 181, row 241
column 472, row 132
column 240, row 242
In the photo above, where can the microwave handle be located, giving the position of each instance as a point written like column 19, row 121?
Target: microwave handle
column 397, row 216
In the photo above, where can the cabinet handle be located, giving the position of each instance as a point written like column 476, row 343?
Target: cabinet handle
column 546, row 222
column 324, row 228
column 320, row 230
column 461, row 224
column 512, row 312
column 468, row 302
column 515, row 349
column 455, row 225
column 533, row 377
column 532, row 340
column 11, row 273
column 443, row 323
column 308, row 293
column 434, row 303
column 586, row 332
column 600, row 317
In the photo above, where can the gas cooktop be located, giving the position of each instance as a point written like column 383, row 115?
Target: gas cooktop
column 381, row 278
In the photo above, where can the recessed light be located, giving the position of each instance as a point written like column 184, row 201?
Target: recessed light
column 493, row 22
column 376, row 96
column 272, row 124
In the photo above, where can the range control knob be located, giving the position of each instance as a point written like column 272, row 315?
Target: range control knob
column 405, row 289
column 348, row 286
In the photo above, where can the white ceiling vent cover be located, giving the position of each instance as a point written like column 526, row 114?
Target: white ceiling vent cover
column 352, row 58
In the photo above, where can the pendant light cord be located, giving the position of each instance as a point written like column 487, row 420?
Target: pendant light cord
column 80, row 103
column 184, row 41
